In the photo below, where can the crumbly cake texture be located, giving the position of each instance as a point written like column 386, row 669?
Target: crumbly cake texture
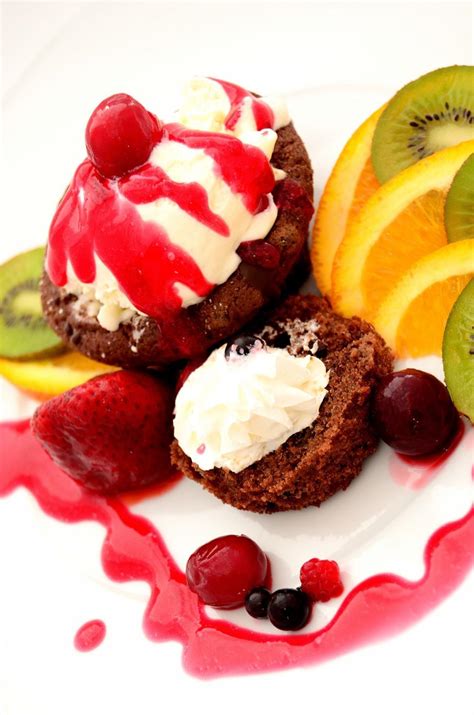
column 315, row 463
column 139, row 342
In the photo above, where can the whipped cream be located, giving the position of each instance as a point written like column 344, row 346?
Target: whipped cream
column 232, row 412
column 205, row 106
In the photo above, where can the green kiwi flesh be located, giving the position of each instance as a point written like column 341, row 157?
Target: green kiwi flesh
column 458, row 352
column 429, row 114
column 23, row 331
column 459, row 206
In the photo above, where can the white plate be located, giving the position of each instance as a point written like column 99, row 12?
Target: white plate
column 52, row 579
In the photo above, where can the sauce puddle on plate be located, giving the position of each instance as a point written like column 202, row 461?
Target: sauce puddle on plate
column 134, row 550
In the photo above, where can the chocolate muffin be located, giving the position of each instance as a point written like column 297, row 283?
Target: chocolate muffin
column 314, row 463
column 142, row 341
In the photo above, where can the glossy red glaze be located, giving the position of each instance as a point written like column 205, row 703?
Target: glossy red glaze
column 93, row 219
column 90, row 635
column 223, row 571
column 133, row 550
column 262, row 113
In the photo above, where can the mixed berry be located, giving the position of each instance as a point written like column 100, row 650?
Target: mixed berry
column 413, row 413
column 243, row 345
column 223, row 571
column 232, row 571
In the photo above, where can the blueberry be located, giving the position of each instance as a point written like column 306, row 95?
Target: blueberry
column 256, row 602
column 289, row 609
column 243, row 345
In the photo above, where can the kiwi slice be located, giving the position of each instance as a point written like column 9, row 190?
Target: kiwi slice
column 23, row 330
column 459, row 206
column 429, row 114
column 458, row 352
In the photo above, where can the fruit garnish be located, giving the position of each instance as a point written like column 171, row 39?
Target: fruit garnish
column 431, row 113
column 120, row 135
column 321, row 579
column 242, row 346
column 260, row 253
column 458, row 352
column 112, row 433
column 459, row 207
column 47, row 377
column 223, row 571
column 289, row 609
column 23, row 330
column 413, row 316
column 289, row 195
column 402, row 222
column 351, row 183
column 413, row 413
column 257, row 601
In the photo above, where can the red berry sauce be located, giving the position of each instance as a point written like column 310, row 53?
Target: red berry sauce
column 262, row 113
column 93, row 219
column 134, row 550
column 89, row 636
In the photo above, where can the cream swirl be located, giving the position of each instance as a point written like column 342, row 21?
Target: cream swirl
column 232, row 412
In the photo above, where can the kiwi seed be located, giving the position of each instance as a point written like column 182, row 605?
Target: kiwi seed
column 429, row 114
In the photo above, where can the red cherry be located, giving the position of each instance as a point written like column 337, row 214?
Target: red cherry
column 224, row 570
column 413, row 413
column 260, row 253
column 120, row 135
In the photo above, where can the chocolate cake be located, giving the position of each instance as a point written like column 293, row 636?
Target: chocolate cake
column 142, row 342
column 325, row 457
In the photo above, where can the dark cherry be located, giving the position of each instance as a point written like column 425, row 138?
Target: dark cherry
column 413, row 413
column 256, row 602
column 224, row 570
column 120, row 135
column 243, row 345
column 260, row 253
column 289, row 609
column 290, row 196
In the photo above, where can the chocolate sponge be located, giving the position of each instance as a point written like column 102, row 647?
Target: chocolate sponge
column 325, row 457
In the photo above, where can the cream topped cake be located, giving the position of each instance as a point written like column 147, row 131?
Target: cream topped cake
column 163, row 215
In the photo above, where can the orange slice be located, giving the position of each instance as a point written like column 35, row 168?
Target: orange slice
column 48, row 377
column 399, row 224
column 351, row 183
column 413, row 316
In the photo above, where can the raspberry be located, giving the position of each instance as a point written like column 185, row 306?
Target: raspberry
column 321, row 579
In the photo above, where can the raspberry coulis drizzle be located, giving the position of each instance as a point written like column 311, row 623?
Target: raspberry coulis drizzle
column 98, row 216
column 262, row 112
column 134, row 550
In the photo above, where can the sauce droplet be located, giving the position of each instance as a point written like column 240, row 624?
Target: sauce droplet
column 90, row 635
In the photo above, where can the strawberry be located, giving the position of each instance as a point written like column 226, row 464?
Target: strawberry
column 111, row 433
